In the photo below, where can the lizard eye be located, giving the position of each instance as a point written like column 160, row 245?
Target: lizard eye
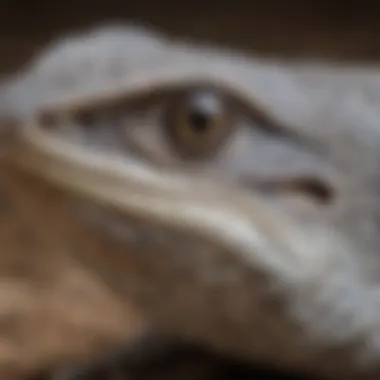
column 197, row 123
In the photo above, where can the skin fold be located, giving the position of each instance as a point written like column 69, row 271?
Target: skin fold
column 255, row 235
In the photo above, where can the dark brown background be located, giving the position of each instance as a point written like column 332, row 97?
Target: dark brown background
column 332, row 28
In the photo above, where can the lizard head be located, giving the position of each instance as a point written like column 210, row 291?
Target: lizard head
column 245, row 190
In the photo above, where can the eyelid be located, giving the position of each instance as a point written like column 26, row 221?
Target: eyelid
column 247, row 108
column 145, row 95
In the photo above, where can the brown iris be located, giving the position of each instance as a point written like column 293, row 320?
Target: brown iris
column 197, row 123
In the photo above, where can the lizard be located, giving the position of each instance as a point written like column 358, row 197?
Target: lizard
column 233, row 199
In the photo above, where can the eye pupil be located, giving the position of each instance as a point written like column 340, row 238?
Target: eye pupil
column 202, row 110
column 198, row 120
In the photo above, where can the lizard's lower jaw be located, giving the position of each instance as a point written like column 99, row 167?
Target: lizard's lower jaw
column 208, row 262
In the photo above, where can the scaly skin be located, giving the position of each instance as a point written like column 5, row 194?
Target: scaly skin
column 265, row 248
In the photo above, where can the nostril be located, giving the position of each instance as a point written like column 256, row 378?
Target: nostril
column 312, row 188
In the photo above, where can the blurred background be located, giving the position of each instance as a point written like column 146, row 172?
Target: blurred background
column 43, row 328
column 333, row 29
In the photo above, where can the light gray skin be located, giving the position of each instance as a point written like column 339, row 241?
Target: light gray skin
column 267, row 248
